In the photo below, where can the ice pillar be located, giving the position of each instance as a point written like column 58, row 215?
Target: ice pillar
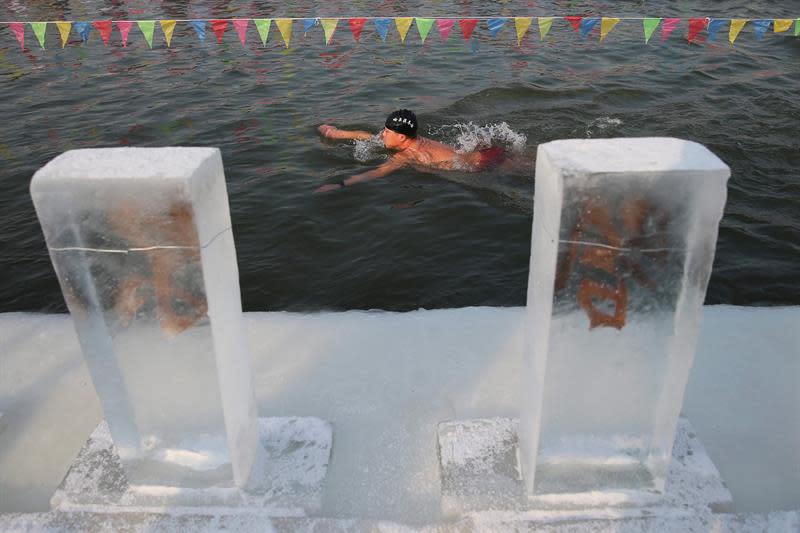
column 624, row 233
column 141, row 242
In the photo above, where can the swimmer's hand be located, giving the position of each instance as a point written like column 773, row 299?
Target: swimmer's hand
column 328, row 187
column 328, row 131
column 332, row 132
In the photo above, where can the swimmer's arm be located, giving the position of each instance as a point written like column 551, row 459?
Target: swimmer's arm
column 390, row 166
column 332, row 132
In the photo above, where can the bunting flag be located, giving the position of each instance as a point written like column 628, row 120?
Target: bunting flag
column 219, row 27
column 329, row 26
column 696, row 25
column 667, row 27
column 168, row 26
column 714, row 25
column 575, row 22
column 424, row 27
column 240, row 25
column 19, row 32
column 445, row 26
column 124, row 27
column 587, row 25
column 200, row 29
column 797, row 28
column 403, row 24
column 83, row 29
column 285, row 27
column 382, row 27
column 147, row 27
column 760, row 27
column 262, row 26
column 781, row 25
column 356, row 26
column 522, row 24
column 63, row 29
column 39, row 30
column 308, row 24
column 467, row 27
column 495, row 25
column 606, row 25
column 650, row 25
column 104, row 27
column 736, row 27
column 545, row 23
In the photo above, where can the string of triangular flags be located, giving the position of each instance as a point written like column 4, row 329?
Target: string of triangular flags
column 583, row 26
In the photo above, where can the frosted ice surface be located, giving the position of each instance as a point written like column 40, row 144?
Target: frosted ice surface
column 623, row 242
column 141, row 241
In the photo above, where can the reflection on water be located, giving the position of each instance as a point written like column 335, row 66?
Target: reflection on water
column 460, row 238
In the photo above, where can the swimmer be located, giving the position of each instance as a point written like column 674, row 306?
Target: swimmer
column 400, row 135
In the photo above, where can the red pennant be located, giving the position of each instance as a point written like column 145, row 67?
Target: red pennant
column 575, row 21
column 467, row 26
column 695, row 27
column 124, row 27
column 104, row 27
column 219, row 27
column 356, row 25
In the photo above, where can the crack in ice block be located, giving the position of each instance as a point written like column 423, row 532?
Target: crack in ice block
column 142, row 245
column 624, row 234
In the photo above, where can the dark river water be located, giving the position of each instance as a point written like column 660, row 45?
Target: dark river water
column 411, row 240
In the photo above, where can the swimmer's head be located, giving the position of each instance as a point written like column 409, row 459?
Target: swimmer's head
column 404, row 122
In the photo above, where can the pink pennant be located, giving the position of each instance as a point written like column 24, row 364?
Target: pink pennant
column 467, row 27
column 667, row 27
column 104, row 27
column 219, row 27
column 124, row 27
column 444, row 25
column 575, row 21
column 695, row 27
column 356, row 25
column 19, row 31
column 241, row 28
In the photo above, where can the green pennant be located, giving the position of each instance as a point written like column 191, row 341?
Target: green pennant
column 423, row 27
column 262, row 25
column 39, row 29
column 147, row 27
column 650, row 25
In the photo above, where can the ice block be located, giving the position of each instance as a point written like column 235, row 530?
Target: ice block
column 141, row 242
column 624, row 234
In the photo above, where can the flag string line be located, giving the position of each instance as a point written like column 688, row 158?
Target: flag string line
column 140, row 249
column 554, row 17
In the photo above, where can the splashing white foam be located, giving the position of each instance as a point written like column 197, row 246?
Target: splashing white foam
column 364, row 151
column 599, row 125
column 470, row 136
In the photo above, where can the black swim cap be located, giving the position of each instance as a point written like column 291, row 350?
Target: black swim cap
column 403, row 121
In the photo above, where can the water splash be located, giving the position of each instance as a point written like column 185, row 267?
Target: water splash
column 365, row 151
column 470, row 136
column 601, row 126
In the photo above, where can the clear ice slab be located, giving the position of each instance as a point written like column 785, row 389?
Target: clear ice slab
column 624, row 234
column 141, row 242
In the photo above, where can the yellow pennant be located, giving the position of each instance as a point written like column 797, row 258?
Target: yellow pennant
column 606, row 25
column 545, row 23
column 736, row 27
column 783, row 24
column 522, row 24
column 64, row 28
column 285, row 27
column 403, row 24
column 168, row 26
column 329, row 26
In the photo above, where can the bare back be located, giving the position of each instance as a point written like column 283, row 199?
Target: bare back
column 427, row 153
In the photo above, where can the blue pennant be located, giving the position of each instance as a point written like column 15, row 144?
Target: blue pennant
column 309, row 23
column 83, row 29
column 382, row 26
column 495, row 25
column 199, row 27
column 588, row 25
column 714, row 25
column 761, row 26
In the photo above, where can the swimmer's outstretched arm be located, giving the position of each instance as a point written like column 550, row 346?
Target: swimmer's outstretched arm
column 332, row 132
column 387, row 168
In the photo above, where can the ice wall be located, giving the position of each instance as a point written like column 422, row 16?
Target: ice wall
column 141, row 242
column 624, row 234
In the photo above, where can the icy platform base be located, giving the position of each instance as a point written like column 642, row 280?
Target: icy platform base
column 298, row 452
column 480, row 472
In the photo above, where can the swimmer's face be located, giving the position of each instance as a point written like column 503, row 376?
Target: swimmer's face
column 392, row 139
